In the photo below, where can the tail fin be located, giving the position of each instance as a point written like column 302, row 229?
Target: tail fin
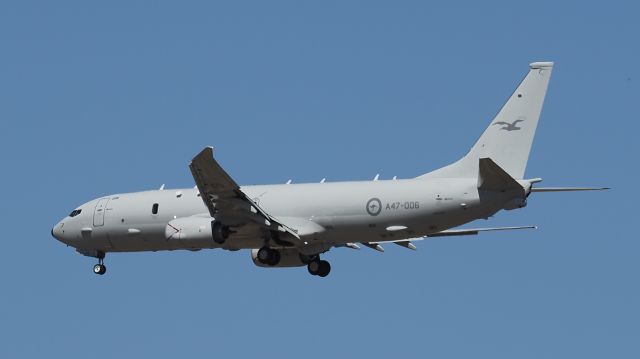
column 507, row 140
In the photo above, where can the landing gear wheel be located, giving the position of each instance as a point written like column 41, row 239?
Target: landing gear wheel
column 268, row 256
column 325, row 268
column 219, row 232
column 99, row 269
column 319, row 267
column 313, row 267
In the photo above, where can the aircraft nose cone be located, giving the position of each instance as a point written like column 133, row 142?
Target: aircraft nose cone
column 56, row 233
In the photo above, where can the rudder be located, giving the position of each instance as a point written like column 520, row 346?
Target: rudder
column 508, row 139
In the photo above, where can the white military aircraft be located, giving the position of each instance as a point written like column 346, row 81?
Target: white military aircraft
column 291, row 225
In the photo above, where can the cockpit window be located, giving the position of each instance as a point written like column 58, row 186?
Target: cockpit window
column 75, row 212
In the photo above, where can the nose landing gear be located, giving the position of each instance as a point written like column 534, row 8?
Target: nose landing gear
column 100, row 268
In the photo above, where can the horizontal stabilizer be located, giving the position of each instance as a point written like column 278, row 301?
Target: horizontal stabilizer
column 474, row 231
column 407, row 243
column 568, row 189
column 492, row 177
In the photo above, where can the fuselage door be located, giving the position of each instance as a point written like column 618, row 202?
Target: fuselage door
column 98, row 214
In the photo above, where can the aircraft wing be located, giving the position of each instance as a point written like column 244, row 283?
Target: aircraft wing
column 224, row 198
column 408, row 243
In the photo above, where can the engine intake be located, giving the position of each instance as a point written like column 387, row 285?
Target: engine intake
column 196, row 229
column 288, row 258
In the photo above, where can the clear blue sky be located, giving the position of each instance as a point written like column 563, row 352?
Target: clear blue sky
column 100, row 97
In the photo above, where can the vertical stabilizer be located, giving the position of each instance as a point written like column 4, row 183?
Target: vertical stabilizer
column 507, row 140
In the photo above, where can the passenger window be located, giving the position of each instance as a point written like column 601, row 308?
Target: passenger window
column 154, row 209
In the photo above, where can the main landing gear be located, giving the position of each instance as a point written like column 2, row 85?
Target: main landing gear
column 319, row 267
column 100, row 268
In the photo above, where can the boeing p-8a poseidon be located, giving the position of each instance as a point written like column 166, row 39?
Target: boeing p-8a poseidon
column 291, row 225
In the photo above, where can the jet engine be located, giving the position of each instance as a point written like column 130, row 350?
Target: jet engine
column 287, row 257
column 196, row 229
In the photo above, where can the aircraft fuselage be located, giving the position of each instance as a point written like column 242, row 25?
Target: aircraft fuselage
column 325, row 214
column 292, row 224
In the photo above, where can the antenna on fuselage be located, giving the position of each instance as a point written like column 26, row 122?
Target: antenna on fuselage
column 376, row 177
column 161, row 188
column 322, row 180
column 288, row 182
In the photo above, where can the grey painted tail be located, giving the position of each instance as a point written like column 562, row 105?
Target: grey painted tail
column 507, row 140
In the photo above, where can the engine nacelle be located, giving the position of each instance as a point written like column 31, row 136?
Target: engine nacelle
column 196, row 229
column 288, row 258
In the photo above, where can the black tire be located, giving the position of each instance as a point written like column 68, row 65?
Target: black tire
column 99, row 269
column 325, row 268
column 219, row 232
column 314, row 267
